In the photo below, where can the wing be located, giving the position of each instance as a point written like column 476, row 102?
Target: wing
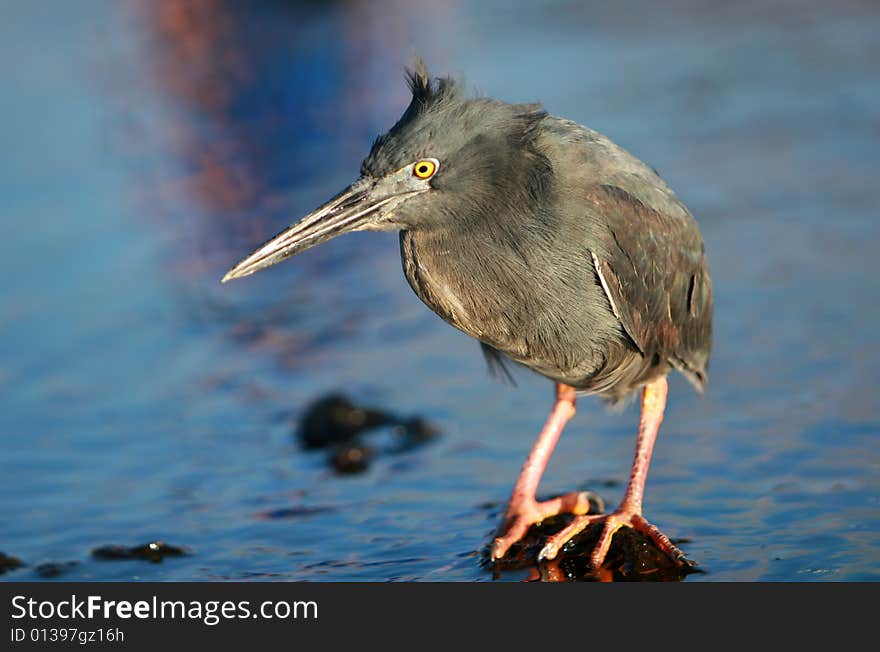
column 652, row 267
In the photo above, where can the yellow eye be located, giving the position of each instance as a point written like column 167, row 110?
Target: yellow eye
column 424, row 169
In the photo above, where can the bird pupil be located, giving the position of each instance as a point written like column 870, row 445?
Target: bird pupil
column 423, row 169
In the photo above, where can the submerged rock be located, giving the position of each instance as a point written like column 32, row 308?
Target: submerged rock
column 154, row 551
column 53, row 569
column 334, row 419
column 336, row 423
column 351, row 458
column 8, row 563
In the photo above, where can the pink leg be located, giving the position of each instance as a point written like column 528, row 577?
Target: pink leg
column 629, row 514
column 524, row 510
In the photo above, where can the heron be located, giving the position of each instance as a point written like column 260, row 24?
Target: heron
column 552, row 246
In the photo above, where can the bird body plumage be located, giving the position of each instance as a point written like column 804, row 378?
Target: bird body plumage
column 589, row 270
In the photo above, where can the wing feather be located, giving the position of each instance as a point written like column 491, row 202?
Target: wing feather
column 653, row 271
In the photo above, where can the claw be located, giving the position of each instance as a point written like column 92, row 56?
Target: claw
column 547, row 553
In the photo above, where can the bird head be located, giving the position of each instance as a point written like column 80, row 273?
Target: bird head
column 448, row 162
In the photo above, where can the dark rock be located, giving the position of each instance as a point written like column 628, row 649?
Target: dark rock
column 351, row 458
column 55, row 568
column 293, row 512
column 412, row 433
column 8, row 563
column 335, row 419
column 632, row 557
column 154, row 551
column 334, row 422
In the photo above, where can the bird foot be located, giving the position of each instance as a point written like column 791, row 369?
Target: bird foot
column 622, row 517
column 523, row 514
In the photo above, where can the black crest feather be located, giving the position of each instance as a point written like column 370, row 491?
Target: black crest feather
column 428, row 91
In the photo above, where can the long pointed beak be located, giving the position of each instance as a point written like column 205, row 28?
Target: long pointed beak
column 352, row 209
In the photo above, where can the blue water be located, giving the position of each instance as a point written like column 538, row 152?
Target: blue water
column 147, row 146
